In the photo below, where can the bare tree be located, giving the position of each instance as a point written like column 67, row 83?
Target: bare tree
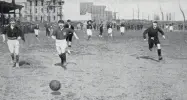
column 182, row 15
column 133, row 13
column 49, row 9
column 138, row 12
column 162, row 13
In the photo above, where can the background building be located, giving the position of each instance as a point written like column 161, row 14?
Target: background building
column 72, row 11
column 98, row 12
column 42, row 10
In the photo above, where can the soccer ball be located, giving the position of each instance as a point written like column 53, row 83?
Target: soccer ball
column 55, row 85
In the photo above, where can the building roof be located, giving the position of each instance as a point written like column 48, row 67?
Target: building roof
column 5, row 7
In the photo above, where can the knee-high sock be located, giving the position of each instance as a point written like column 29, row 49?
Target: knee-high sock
column 64, row 57
column 17, row 58
column 159, row 52
column 12, row 56
column 61, row 57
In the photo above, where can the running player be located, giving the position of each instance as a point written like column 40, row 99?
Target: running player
column 47, row 26
column 13, row 34
column 60, row 35
column 171, row 28
column 89, row 29
column 101, row 29
column 122, row 29
column 70, row 36
column 109, row 27
column 153, row 38
column 36, row 30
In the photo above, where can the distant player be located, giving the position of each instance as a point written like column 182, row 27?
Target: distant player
column 60, row 34
column 167, row 27
column 36, row 30
column 13, row 34
column 153, row 38
column 171, row 28
column 89, row 29
column 51, row 30
column 47, row 26
column 70, row 36
column 101, row 26
column 109, row 27
column 122, row 28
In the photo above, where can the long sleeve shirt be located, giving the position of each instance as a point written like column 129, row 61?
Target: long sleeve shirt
column 89, row 26
column 101, row 26
column 12, row 33
column 152, row 32
column 61, row 34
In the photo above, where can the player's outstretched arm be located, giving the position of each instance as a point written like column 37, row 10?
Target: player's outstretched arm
column 75, row 35
column 3, row 35
column 162, row 32
column 53, row 36
column 144, row 33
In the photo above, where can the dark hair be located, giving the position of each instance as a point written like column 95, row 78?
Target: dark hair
column 68, row 20
column 155, row 22
column 60, row 21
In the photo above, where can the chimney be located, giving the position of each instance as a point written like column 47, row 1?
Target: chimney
column 13, row 2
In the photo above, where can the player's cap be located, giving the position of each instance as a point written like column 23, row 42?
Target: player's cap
column 68, row 20
column 60, row 21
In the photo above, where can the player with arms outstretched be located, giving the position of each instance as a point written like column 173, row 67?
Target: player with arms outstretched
column 153, row 38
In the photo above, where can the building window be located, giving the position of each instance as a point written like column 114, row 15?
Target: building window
column 54, row 18
column 42, row 10
column 30, row 10
column 42, row 2
column 48, row 10
column 30, row 3
column 36, row 18
column 54, row 10
column 36, row 3
column 35, row 10
column 54, row 1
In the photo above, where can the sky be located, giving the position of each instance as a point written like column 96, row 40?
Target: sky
column 125, row 7
column 146, row 7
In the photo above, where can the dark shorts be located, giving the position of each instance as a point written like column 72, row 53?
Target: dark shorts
column 101, row 31
column 47, row 33
column 153, row 42
column 69, row 37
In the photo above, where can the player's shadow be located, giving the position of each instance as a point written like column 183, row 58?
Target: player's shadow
column 21, row 63
column 56, row 93
column 59, row 64
column 147, row 57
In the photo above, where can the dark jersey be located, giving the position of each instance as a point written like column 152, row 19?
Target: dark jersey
column 69, row 26
column 152, row 32
column 89, row 26
column 122, row 25
column 47, row 27
column 101, row 26
column 12, row 33
column 109, row 26
column 36, row 27
column 62, row 34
